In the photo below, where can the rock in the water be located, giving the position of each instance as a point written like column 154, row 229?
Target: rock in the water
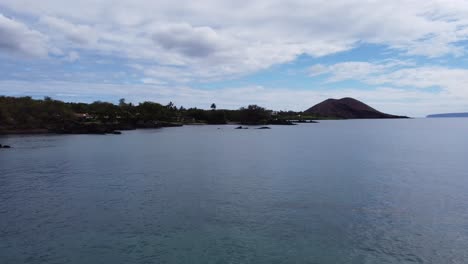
column 239, row 127
column 264, row 127
column 307, row 121
column 4, row 146
column 280, row 122
column 116, row 132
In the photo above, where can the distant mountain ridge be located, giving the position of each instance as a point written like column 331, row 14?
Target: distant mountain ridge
column 448, row 115
column 346, row 108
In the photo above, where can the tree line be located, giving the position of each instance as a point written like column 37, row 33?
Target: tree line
column 47, row 113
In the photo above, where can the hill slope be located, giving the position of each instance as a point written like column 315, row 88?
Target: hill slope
column 346, row 108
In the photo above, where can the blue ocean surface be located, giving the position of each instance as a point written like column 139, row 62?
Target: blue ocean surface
column 355, row 191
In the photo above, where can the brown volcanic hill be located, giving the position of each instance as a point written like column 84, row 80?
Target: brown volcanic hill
column 346, row 108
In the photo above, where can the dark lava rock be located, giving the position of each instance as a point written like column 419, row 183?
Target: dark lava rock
column 282, row 122
column 264, row 128
column 157, row 124
column 84, row 128
column 239, row 127
column 4, row 146
column 306, row 121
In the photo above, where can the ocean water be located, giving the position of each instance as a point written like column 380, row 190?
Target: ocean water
column 357, row 191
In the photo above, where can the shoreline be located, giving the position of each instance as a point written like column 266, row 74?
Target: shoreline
column 25, row 132
column 42, row 131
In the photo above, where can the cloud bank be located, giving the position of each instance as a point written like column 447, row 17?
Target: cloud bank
column 180, row 43
column 17, row 39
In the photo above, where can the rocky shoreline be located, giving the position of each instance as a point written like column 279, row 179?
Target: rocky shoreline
column 115, row 128
column 88, row 128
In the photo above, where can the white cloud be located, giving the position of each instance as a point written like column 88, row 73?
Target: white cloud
column 400, row 74
column 356, row 70
column 152, row 81
column 80, row 34
column 347, row 70
column 188, row 40
column 228, row 38
column 72, row 56
column 17, row 38
column 452, row 80
column 185, row 41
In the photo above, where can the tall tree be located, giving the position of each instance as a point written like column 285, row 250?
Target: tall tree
column 122, row 102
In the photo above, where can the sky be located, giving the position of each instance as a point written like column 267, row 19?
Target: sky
column 405, row 57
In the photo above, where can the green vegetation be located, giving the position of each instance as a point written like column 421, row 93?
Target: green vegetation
column 24, row 114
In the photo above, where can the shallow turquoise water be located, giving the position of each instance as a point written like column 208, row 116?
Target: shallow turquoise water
column 363, row 191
